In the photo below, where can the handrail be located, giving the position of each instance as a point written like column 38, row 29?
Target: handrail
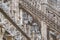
column 38, row 13
column 16, row 26
column 51, row 9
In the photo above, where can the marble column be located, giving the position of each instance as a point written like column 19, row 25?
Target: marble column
column 21, row 16
column 43, row 30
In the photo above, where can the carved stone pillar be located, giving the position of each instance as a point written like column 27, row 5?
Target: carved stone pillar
column 43, row 30
column 28, row 30
column 33, row 35
column 2, row 31
column 21, row 16
column 43, row 6
column 15, row 10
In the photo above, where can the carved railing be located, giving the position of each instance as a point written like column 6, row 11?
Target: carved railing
column 12, row 16
column 51, row 8
column 12, row 27
column 27, row 6
column 54, row 12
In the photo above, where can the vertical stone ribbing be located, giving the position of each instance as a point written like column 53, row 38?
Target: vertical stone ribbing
column 43, row 30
